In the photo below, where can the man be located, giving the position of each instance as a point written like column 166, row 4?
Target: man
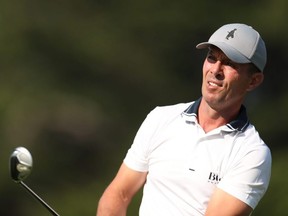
column 203, row 157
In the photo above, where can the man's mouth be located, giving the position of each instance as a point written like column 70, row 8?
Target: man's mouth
column 214, row 84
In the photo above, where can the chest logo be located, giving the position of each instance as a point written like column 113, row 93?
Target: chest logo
column 214, row 178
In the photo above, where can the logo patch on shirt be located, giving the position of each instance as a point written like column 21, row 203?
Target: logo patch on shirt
column 214, row 178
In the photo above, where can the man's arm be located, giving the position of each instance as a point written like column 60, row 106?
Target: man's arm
column 117, row 196
column 224, row 204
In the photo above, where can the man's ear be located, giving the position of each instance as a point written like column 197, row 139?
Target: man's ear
column 256, row 80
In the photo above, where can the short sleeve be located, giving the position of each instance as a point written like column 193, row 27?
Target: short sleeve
column 137, row 156
column 249, row 178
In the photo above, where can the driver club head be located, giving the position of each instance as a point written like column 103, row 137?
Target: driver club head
column 21, row 163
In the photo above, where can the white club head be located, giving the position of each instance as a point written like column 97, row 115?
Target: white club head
column 21, row 163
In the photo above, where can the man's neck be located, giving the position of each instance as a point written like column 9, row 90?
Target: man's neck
column 210, row 119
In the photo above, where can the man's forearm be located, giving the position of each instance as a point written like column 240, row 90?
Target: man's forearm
column 111, row 205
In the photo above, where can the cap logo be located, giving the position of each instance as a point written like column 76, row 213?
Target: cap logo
column 230, row 34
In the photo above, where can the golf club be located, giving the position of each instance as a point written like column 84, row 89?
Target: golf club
column 21, row 164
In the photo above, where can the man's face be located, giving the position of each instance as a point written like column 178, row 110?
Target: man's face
column 225, row 83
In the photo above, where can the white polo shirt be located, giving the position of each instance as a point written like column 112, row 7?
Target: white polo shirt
column 185, row 164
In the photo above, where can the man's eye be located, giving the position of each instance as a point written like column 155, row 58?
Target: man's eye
column 211, row 58
column 231, row 64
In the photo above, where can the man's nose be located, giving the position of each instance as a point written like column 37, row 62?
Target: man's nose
column 217, row 70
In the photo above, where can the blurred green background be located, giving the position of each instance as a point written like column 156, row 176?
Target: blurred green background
column 78, row 78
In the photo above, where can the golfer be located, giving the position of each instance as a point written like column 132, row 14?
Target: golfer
column 203, row 157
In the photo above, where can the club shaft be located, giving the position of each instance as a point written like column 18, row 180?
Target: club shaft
column 39, row 199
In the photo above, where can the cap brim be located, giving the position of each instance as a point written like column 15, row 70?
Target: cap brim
column 229, row 51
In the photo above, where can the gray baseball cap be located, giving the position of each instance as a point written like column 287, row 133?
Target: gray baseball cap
column 240, row 43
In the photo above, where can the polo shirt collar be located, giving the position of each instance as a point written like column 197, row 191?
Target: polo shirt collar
column 239, row 124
